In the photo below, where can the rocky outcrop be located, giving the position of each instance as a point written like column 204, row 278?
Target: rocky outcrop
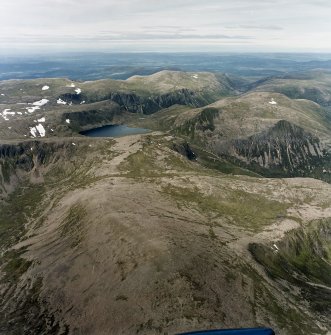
column 73, row 98
column 92, row 116
column 283, row 150
column 285, row 145
column 201, row 124
column 18, row 161
column 185, row 150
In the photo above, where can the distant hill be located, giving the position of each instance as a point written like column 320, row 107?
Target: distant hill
column 315, row 86
column 24, row 101
column 94, row 66
column 266, row 132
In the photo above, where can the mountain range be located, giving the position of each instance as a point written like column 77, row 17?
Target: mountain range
column 218, row 217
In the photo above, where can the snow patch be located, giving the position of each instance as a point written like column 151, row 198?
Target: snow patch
column 40, row 103
column 41, row 130
column 32, row 109
column 73, row 143
column 6, row 112
column 38, row 129
column 272, row 102
column 41, row 120
column 37, row 105
column 3, row 94
column 33, row 131
column 195, row 76
column 71, row 85
column 78, row 91
column 61, row 102
column 45, row 88
column 68, row 121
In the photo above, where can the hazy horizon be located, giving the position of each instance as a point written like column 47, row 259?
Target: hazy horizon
column 237, row 26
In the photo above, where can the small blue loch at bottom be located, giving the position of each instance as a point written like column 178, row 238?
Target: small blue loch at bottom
column 114, row 131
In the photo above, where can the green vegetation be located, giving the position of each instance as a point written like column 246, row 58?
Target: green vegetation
column 21, row 206
column 148, row 163
column 303, row 260
column 140, row 164
column 14, row 265
column 203, row 121
column 288, row 317
column 244, row 209
column 214, row 162
column 6, row 171
column 24, row 203
column 303, row 253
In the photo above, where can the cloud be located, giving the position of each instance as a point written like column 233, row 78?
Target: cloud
column 255, row 27
column 32, row 39
column 268, row 24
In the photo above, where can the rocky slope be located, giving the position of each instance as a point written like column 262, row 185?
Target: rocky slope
column 133, row 229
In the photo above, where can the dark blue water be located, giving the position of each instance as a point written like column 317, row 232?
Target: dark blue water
column 114, row 131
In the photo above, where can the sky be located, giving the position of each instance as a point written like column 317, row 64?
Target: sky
column 167, row 25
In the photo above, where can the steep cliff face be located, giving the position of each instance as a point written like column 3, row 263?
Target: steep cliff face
column 16, row 161
column 152, row 93
column 285, row 148
column 144, row 104
column 92, row 115
column 26, row 160
column 202, row 123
